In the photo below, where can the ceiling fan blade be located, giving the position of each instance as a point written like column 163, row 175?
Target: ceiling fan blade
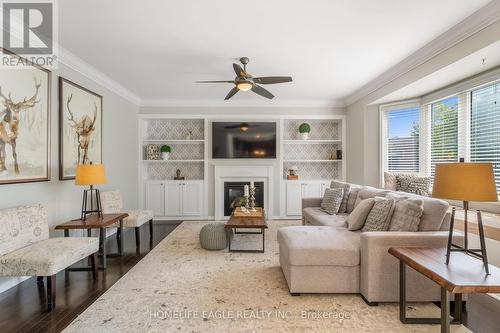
column 239, row 71
column 272, row 79
column 231, row 93
column 261, row 91
column 214, row 81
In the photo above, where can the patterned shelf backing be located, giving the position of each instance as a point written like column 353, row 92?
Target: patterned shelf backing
column 185, row 151
column 166, row 171
column 175, row 129
column 309, row 152
column 321, row 129
column 318, row 170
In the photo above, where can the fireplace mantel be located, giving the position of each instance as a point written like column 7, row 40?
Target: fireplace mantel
column 236, row 173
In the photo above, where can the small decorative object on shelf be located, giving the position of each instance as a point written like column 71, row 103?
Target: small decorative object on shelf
column 304, row 130
column 178, row 175
column 339, row 154
column 333, row 156
column 153, row 152
column 293, row 173
column 165, row 152
column 189, row 136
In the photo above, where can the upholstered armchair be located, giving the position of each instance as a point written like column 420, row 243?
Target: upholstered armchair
column 112, row 202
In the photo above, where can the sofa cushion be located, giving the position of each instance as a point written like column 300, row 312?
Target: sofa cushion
column 47, row 257
column 433, row 214
column 379, row 217
column 357, row 218
column 22, row 226
column 347, row 188
column 332, row 200
column 353, row 195
column 316, row 216
column 406, row 216
column 370, row 192
column 319, row 246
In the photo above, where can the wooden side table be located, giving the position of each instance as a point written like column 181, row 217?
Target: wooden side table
column 96, row 222
column 463, row 275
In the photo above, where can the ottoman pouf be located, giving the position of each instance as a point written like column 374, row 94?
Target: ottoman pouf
column 213, row 236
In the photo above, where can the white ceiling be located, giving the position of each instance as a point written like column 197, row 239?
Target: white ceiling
column 158, row 48
column 464, row 68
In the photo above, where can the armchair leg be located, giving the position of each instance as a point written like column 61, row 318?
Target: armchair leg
column 137, row 237
column 51, row 292
column 151, row 229
column 118, row 236
column 39, row 280
column 94, row 259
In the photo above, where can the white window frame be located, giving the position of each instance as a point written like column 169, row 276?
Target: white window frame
column 383, row 111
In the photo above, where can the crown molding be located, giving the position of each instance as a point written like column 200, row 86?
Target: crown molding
column 75, row 63
column 241, row 103
column 468, row 27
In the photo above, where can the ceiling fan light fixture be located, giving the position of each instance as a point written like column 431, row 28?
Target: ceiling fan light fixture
column 244, row 86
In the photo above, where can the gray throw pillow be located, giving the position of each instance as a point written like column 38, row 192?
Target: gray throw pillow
column 415, row 184
column 346, row 187
column 351, row 201
column 407, row 214
column 357, row 218
column 332, row 200
column 379, row 217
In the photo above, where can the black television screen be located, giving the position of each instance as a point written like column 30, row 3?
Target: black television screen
column 243, row 140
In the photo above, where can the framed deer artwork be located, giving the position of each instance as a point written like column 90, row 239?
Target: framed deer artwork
column 24, row 121
column 80, row 127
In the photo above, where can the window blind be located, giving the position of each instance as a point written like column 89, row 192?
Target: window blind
column 402, row 145
column 444, row 132
column 485, row 127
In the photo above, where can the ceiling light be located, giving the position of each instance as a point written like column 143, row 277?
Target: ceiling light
column 244, row 86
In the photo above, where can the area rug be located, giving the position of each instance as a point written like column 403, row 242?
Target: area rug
column 180, row 287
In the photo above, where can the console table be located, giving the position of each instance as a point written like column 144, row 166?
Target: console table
column 464, row 275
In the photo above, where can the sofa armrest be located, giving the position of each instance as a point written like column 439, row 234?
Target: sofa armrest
column 379, row 278
column 311, row 202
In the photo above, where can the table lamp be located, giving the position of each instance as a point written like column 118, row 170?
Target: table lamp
column 90, row 175
column 466, row 182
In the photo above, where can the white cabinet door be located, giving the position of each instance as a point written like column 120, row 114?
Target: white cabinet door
column 311, row 190
column 173, row 199
column 155, row 198
column 293, row 198
column 191, row 199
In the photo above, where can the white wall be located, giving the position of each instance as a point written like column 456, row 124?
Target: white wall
column 62, row 198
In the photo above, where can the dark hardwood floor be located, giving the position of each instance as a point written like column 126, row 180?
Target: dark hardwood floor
column 23, row 307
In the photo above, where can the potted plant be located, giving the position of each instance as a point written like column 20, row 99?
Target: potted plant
column 165, row 152
column 304, row 130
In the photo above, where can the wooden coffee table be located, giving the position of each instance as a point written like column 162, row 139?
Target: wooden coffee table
column 247, row 222
column 96, row 222
column 464, row 275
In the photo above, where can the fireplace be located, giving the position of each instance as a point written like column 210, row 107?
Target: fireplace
column 233, row 191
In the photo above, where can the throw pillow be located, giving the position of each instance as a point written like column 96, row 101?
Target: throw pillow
column 357, row 218
column 390, row 182
column 346, row 187
column 407, row 214
column 411, row 183
column 353, row 195
column 379, row 217
column 332, row 200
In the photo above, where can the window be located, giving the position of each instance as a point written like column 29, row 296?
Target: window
column 485, row 127
column 402, row 143
column 444, row 132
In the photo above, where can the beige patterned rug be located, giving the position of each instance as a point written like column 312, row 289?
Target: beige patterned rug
column 179, row 287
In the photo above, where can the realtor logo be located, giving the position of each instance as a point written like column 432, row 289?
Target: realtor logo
column 28, row 29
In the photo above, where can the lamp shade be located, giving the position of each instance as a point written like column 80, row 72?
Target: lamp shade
column 90, row 174
column 465, row 182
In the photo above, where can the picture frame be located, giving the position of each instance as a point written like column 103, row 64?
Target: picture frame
column 25, row 110
column 80, row 127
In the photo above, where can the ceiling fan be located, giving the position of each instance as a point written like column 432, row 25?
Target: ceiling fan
column 246, row 82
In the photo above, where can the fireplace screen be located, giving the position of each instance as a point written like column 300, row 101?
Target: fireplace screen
column 233, row 193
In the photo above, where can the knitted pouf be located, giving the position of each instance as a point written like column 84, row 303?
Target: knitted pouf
column 213, row 236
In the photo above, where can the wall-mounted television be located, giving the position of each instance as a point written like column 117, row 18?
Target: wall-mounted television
column 243, row 140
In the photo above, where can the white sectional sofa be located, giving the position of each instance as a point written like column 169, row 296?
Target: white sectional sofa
column 323, row 256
